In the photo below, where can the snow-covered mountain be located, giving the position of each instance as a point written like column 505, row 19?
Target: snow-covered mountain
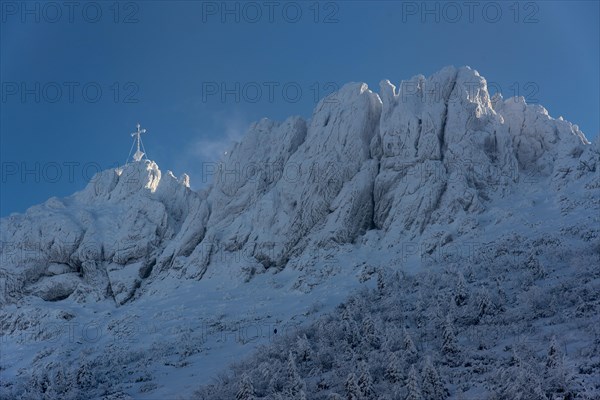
column 430, row 174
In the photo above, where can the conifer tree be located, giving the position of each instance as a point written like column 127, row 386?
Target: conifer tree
column 392, row 371
column 352, row 390
column 381, row 284
column 450, row 347
column 59, row 386
column 296, row 386
column 410, row 350
column 246, row 389
column 304, row 348
column 84, row 377
column 460, row 291
column 555, row 376
column 484, row 303
column 432, row 386
column 414, row 392
column 365, row 384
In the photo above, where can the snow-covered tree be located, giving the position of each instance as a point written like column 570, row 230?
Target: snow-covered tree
column 554, row 356
column 264, row 371
column 370, row 333
column 43, row 382
column 278, row 377
column 352, row 389
column 345, row 313
column 535, row 267
column 296, row 388
column 450, row 347
column 555, row 373
column 410, row 350
column 515, row 358
column 414, row 391
column 519, row 382
column 365, row 384
column 85, row 377
column 432, row 386
column 484, row 303
column 351, row 333
column 420, row 307
column 460, row 291
column 246, row 389
column 393, row 372
column 381, row 284
column 60, row 382
column 304, row 348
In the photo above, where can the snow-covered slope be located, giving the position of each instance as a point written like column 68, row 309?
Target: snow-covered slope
column 299, row 211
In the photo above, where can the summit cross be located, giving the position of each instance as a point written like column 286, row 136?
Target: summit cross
column 138, row 154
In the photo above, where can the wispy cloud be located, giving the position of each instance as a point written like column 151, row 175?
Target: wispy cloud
column 210, row 146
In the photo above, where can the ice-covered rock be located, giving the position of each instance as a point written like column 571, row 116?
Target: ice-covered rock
column 281, row 181
column 105, row 238
column 432, row 152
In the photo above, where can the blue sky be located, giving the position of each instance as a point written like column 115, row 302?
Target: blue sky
column 75, row 80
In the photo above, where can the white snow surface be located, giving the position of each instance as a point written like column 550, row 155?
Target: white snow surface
column 137, row 268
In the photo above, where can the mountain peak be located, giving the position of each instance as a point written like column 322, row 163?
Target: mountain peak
column 434, row 152
column 138, row 178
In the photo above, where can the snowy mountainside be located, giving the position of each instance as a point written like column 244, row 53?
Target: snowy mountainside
column 500, row 327
column 299, row 214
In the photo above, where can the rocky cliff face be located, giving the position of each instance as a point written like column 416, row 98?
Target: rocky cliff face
column 102, row 241
column 431, row 152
